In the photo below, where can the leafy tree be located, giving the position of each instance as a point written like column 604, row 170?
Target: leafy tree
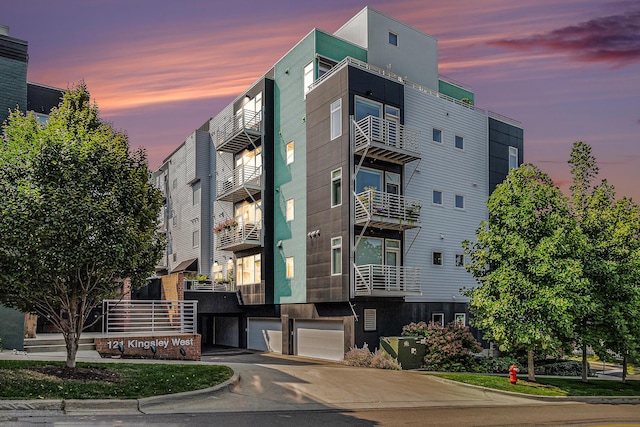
column 530, row 280
column 611, row 229
column 77, row 214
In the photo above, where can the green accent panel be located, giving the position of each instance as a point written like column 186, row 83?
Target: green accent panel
column 337, row 49
column 11, row 328
column 455, row 91
column 409, row 351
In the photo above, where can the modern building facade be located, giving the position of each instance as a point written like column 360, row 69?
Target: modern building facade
column 343, row 184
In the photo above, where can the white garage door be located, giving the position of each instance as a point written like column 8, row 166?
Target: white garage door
column 264, row 334
column 321, row 339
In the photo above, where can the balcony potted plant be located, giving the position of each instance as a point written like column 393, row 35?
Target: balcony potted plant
column 413, row 211
column 224, row 226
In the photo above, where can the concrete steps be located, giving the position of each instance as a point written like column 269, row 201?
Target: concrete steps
column 55, row 344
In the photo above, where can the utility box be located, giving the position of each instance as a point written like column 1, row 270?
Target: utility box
column 409, row 351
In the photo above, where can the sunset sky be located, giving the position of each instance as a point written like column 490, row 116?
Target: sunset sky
column 568, row 70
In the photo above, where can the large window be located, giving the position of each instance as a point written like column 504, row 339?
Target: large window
column 336, row 256
column 336, row 119
column 513, row 158
column 308, row 77
column 248, row 270
column 248, row 213
column 378, row 251
column 365, row 107
column 336, row 187
column 289, row 266
column 368, row 178
column 289, row 212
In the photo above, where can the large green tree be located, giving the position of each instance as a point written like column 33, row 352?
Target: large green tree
column 525, row 259
column 611, row 229
column 77, row 214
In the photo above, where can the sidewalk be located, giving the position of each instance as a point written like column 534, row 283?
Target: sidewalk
column 269, row 382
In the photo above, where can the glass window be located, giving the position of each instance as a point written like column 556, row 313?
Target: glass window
column 308, row 77
column 437, row 197
column 393, row 38
column 289, row 149
column 368, row 178
column 392, row 183
column 459, row 260
column 461, row 319
column 336, row 187
column 323, row 67
column 336, row 119
column 513, row 158
column 195, row 239
column 196, row 193
column 289, row 213
column 369, row 251
column 438, row 318
column 175, row 183
column 366, row 107
column 459, row 201
column 459, row 142
column 289, row 265
column 391, row 112
column 336, row 256
column 437, row 135
column 248, row 270
column 437, row 258
column 248, row 213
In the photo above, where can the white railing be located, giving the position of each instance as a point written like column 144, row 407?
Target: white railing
column 374, row 203
column 243, row 120
column 150, row 316
column 208, row 286
column 238, row 177
column 374, row 279
column 238, row 234
column 389, row 132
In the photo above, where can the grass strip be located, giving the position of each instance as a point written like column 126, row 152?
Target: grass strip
column 24, row 380
column 550, row 386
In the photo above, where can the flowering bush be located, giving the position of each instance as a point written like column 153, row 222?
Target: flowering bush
column 449, row 348
column 224, row 225
column 363, row 357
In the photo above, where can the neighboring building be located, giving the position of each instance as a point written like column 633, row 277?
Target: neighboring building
column 16, row 92
column 346, row 179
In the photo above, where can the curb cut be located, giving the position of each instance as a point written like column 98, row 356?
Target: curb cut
column 615, row 400
column 166, row 398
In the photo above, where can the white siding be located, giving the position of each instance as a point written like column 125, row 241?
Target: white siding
column 445, row 168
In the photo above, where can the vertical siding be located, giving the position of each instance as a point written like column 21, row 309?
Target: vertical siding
column 451, row 171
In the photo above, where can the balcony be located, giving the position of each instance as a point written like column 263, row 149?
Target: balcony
column 387, row 280
column 239, row 237
column 208, row 286
column 244, row 181
column 240, row 132
column 385, row 140
column 387, row 211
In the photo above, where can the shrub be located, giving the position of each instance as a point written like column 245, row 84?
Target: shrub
column 449, row 348
column 497, row 365
column 363, row 357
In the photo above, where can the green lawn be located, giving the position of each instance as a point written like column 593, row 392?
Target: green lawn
column 22, row 380
column 550, row 386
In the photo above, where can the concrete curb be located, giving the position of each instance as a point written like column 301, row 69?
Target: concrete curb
column 31, row 405
column 615, row 400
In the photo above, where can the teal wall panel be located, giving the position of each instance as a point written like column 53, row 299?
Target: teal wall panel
column 455, row 91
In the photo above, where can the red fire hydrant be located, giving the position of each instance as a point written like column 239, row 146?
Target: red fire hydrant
column 513, row 374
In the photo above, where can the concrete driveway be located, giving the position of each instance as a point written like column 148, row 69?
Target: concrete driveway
column 271, row 383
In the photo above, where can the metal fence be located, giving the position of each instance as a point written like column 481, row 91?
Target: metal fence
column 150, row 316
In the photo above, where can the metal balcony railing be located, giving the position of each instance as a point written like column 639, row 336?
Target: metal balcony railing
column 243, row 129
column 208, row 286
column 387, row 280
column 239, row 237
column 387, row 210
column 386, row 139
column 150, row 316
column 240, row 183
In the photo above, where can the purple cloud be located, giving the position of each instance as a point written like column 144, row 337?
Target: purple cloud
column 613, row 39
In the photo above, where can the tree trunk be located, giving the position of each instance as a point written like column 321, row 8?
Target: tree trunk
column 624, row 369
column 71, row 341
column 585, row 364
column 530, row 367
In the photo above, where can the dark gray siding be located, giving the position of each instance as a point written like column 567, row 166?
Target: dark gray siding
column 13, row 75
column 41, row 99
column 502, row 136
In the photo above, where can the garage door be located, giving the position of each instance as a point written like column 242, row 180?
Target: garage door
column 264, row 334
column 321, row 339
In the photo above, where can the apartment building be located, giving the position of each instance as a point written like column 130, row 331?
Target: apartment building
column 345, row 180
